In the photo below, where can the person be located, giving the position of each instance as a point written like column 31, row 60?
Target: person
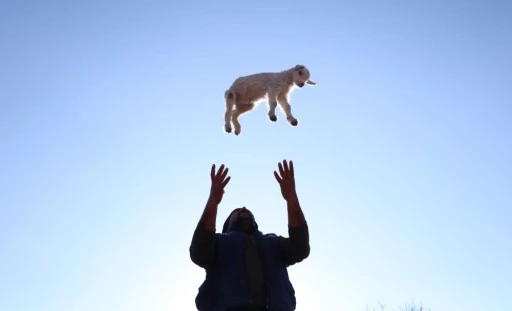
column 246, row 270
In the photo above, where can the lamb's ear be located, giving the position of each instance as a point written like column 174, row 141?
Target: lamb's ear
column 299, row 67
column 310, row 82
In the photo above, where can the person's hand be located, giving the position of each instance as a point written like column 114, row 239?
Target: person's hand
column 219, row 181
column 286, row 180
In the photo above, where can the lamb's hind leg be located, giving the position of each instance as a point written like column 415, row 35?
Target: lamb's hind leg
column 230, row 102
column 272, row 104
column 287, row 109
column 240, row 109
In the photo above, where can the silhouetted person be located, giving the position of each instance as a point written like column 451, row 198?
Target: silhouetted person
column 246, row 269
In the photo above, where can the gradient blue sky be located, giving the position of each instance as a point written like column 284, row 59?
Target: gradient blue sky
column 111, row 114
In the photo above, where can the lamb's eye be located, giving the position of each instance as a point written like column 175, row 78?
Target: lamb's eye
column 300, row 73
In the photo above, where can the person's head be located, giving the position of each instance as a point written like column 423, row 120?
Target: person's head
column 240, row 219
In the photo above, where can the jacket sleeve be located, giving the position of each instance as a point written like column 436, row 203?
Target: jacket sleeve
column 296, row 247
column 202, row 247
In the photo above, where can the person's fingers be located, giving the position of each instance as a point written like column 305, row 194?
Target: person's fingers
column 277, row 177
column 221, row 168
column 285, row 166
column 225, row 182
column 212, row 173
column 281, row 169
column 292, row 172
column 224, row 174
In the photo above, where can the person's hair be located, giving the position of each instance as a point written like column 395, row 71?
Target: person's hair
column 226, row 223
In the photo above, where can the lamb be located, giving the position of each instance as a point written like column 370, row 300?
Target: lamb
column 275, row 87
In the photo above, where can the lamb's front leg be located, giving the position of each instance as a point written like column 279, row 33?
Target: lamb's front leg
column 287, row 109
column 272, row 104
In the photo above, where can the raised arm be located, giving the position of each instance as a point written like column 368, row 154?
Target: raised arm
column 202, row 247
column 296, row 247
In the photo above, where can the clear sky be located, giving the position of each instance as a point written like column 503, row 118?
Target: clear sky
column 111, row 115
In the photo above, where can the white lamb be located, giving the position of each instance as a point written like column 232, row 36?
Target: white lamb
column 275, row 87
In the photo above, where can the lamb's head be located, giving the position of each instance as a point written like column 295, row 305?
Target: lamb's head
column 301, row 76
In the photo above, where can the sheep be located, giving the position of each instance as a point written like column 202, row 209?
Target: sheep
column 275, row 87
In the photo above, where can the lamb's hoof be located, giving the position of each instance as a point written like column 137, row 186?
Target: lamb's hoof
column 237, row 132
column 294, row 122
column 273, row 118
column 227, row 129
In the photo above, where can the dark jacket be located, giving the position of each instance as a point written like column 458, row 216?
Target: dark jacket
column 230, row 277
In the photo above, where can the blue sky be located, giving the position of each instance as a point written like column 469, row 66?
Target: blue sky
column 111, row 115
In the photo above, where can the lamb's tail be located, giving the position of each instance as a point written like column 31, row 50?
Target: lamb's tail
column 230, row 97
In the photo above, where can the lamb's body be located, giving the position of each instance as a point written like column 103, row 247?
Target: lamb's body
column 275, row 87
